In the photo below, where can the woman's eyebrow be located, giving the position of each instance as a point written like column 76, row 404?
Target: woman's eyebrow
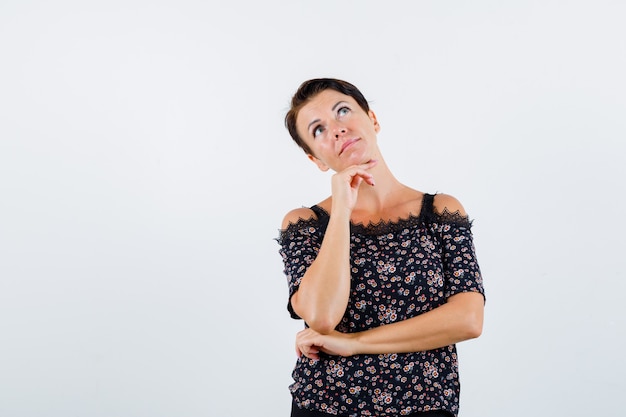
column 311, row 124
column 337, row 104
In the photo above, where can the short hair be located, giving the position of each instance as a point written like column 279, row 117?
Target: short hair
column 310, row 89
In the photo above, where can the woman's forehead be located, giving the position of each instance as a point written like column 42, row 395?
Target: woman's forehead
column 328, row 95
column 323, row 102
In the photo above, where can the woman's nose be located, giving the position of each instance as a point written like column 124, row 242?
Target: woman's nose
column 339, row 131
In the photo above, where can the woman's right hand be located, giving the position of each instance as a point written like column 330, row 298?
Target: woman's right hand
column 346, row 183
column 310, row 343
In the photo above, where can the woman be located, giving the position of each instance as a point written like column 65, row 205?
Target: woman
column 384, row 276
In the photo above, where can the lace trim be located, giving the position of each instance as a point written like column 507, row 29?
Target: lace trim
column 384, row 226
column 454, row 217
column 387, row 226
column 293, row 227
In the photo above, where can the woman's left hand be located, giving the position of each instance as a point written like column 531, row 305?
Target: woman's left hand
column 309, row 343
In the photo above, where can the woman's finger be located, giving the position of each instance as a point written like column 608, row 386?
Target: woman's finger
column 356, row 181
column 309, row 351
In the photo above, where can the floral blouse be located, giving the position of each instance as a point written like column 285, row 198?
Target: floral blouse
column 399, row 270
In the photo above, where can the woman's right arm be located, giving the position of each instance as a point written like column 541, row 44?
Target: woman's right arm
column 322, row 297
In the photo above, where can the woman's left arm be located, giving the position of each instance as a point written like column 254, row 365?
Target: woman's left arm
column 460, row 318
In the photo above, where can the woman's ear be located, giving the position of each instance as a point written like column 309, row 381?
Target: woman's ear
column 374, row 120
column 321, row 165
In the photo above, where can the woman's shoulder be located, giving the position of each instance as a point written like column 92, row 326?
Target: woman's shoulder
column 445, row 203
column 295, row 215
column 303, row 213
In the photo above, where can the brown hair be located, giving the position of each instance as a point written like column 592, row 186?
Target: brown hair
column 310, row 89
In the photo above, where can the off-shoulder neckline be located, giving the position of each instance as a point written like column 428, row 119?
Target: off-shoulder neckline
column 426, row 214
column 382, row 226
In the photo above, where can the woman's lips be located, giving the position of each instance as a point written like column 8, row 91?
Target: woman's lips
column 348, row 143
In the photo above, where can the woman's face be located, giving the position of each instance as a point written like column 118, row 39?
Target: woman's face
column 338, row 131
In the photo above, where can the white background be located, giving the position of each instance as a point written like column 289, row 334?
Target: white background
column 145, row 170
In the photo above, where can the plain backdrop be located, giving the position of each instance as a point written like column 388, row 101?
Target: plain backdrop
column 145, row 171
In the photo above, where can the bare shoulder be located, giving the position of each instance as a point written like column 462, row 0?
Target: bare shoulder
column 302, row 213
column 445, row 202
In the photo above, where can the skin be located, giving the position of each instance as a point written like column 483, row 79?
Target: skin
column 343, row 138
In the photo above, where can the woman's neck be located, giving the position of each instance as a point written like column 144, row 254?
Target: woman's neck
column 387, row 199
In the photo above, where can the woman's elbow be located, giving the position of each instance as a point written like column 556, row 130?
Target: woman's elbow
column 322, row 325
column 469, row 314
column 317, row 319
column 474, row 330
column 473, row 325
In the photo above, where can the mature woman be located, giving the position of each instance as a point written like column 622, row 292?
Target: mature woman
column 384, row 276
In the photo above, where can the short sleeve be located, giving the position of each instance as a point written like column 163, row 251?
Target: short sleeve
column 299, row 246
column 461, row 270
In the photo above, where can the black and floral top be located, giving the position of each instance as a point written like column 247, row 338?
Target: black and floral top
column 399, row 270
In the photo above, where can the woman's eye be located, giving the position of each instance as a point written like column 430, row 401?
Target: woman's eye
column 317, row 131
column 343, row 111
